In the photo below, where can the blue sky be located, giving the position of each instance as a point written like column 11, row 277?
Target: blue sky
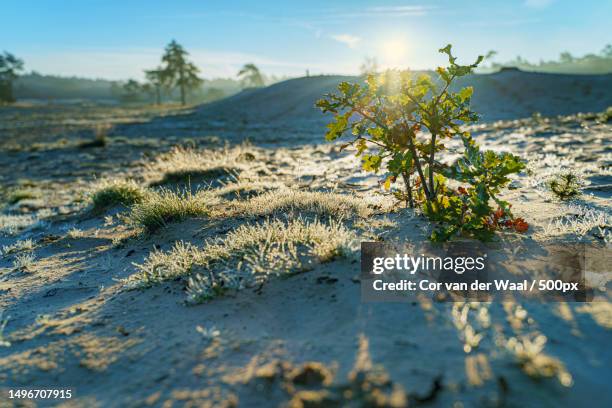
column 118, row 39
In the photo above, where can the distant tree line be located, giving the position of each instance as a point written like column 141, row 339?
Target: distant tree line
column 178, row 74
column 176, row 78
column 599, row 63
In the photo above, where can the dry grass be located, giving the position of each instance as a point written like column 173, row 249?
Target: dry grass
column 247, row 256
column 165, row 206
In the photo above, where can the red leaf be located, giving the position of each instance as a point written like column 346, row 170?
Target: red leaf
column 520, row 225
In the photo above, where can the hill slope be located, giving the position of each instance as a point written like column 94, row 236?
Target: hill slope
column 509, row 94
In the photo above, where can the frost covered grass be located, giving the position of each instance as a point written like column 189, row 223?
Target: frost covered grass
column 323, row 204
column 18, row 246
column 12, row 224
column 165, row 206
column 245, row 189
column 24, row 261
column 543, row 169
column 110, row 193
column 75, row 233
column 247, row 256
column 183, row 165
column 579, row 221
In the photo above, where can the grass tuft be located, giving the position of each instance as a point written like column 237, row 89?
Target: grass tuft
column 191, row 166
column 248, row 256
column 18, row 246
column 565, row 186
column 19, row 195
column 195, row 176
column 117, row 192
column 24, row 262
column 165, row 206
column 323, row 204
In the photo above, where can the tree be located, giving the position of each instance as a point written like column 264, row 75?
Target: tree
column 10, row 68
column 566, row 57
column 179, row 71
column 132, row 91
column 250, row 76
column 157, row 79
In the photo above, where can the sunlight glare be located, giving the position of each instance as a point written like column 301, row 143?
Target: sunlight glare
column 394, row 51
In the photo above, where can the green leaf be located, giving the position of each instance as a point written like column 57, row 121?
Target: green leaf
column 371, row 162
column 337, row 127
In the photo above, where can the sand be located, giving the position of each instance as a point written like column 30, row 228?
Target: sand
column 73, row 324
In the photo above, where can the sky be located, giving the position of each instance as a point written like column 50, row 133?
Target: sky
column 119, row 39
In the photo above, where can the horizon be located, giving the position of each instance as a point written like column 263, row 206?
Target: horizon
column 288, row 41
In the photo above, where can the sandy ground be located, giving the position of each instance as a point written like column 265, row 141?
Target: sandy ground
column 73, row 324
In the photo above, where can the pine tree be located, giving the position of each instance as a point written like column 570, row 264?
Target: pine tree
column 10, row 68
column 179, row 71
column 251, row 76
column 157, row 79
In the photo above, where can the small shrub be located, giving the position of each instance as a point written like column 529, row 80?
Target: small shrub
column 165, row 206
column 390, row 113
column 117, row 192
column 565, row 186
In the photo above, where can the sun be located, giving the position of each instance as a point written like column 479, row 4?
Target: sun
column 394, row 51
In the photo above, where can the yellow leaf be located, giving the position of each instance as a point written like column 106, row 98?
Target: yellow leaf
column 388, row 184
column 445, row 202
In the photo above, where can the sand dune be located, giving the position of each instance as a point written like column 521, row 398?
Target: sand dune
column 508, row 94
